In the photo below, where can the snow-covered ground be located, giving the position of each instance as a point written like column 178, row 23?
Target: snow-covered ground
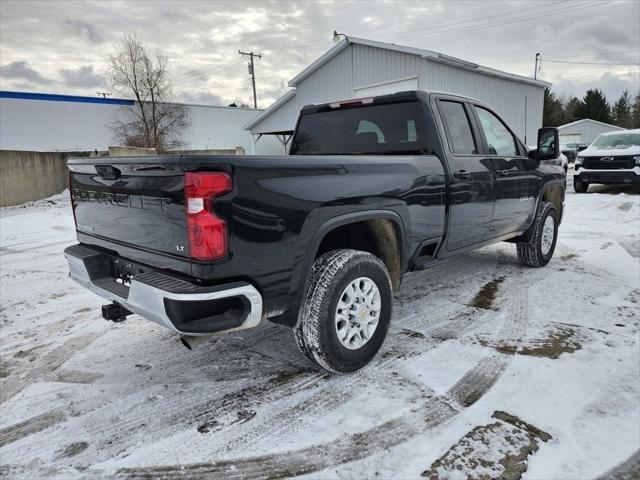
column 543, row 381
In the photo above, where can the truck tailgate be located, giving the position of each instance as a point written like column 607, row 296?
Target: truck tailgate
column 138, row 201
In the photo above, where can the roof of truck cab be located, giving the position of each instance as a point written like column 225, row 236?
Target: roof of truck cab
column 390, row 98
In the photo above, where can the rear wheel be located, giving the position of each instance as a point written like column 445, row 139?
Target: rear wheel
column 580, row 187
column 346, row 312
column 539, row 249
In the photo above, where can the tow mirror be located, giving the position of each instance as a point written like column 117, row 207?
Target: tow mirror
column 548, row 143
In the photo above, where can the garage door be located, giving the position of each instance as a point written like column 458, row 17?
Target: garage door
column 383, row 88
column 570, row 138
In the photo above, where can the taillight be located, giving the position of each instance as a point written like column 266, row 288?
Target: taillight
column 207, row 231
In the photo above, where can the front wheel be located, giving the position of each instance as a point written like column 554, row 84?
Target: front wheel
column 539, row 249
column 345, row 315
column 580, row 187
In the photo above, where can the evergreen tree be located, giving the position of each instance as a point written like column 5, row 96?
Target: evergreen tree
column 621, row 111
column 571, row 109
column 635, row 113
column 595, row 106
column 552, row 114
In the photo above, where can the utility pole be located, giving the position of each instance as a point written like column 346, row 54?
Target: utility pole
column 252, row 72
column 535, row 69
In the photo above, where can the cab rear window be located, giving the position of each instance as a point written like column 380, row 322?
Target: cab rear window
column 371, row 129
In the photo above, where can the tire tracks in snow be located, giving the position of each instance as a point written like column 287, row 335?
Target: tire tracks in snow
column 49, row 363
column 421, row 326
column 433, row 411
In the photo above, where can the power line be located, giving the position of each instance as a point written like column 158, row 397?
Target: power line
column 193, row 74
column 483, row 26
column 589, row 63
column 430, row 29
column 473, row 21
column 522, row 60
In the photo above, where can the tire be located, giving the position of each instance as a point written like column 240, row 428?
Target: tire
column 539, row 250
column 320, row 318
column 580, row 187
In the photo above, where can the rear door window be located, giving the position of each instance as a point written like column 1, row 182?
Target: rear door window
column 370, row 129
column 457, row 128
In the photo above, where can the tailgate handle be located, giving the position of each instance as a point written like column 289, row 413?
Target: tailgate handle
column 151, row 169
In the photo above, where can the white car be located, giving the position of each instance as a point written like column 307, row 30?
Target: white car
column 612, row 158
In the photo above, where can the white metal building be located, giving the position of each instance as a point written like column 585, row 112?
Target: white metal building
column 584, row 131
column 47, row 122
column 356, row 67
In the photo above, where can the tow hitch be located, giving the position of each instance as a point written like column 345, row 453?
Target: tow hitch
column 115, row 312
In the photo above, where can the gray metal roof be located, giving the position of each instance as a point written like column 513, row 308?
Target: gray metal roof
column 427, row 54
column 589, row 120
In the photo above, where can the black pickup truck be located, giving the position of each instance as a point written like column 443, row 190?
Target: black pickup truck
column 316, row 240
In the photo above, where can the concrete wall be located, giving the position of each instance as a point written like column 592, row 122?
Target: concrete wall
column 53, row 124
column 27, row 176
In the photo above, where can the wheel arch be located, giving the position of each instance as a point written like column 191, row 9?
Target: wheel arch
column 373, row 218
column 553, row 192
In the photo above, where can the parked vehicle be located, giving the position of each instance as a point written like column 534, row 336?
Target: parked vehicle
column 319, row 239
column 570, row 150
column 564, row 161
column 612, row 158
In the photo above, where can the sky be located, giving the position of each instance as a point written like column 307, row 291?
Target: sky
column 63, row 46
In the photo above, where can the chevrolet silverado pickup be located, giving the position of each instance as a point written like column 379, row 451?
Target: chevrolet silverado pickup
column 316, row 240
column 612, row 158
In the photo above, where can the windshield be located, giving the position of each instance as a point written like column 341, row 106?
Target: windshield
column 372, row 129
column 617, row 140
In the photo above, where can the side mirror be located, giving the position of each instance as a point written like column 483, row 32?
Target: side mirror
column 548, row 143
column 582, row 147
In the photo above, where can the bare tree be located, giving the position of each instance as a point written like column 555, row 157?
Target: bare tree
column 154, row 121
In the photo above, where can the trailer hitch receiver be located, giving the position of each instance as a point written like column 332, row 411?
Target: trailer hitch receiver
column 115, row 312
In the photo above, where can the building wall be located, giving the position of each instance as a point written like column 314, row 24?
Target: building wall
column 588, row 131
column 358, row 66
column 374, row 65
column 42, row 125
column 285, row 116
column 332, row 81
column 45, row 125
column 223, row 128
column 505, row 96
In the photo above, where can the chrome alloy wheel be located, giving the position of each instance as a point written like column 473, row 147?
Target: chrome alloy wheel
column 357, row 313
column 548, row 229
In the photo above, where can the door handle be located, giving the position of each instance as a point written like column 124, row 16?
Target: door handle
column 501, row 173
column 462, row 174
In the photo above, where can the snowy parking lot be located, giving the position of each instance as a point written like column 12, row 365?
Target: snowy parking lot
column 490, row 370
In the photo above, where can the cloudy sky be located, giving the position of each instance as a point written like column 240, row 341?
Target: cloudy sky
column 62, row 46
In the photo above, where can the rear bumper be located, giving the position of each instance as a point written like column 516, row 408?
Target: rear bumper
column 167, row 300
column 608, row 176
